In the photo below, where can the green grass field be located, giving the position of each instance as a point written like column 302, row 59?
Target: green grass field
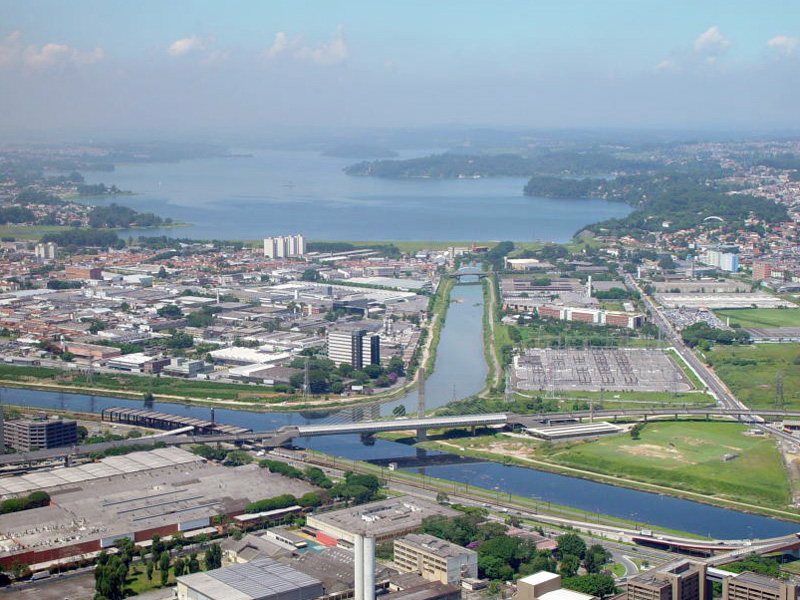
column 686, row 455
column 750, row 372
column 762, row 317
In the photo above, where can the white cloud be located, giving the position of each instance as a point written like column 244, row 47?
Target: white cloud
column 325, row 53
column 331, row 53
column 666, row 65
column 14, row 52
column 784, row 44
column 279, row 46
column 711, row 42
column 188, row 45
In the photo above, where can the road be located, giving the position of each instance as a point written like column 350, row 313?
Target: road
column 708, row 377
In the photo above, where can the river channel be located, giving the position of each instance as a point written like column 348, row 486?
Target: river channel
column 460, row 363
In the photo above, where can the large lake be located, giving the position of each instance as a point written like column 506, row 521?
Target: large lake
column 281, row 192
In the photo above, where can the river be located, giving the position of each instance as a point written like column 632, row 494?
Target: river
column 460, row 362
column 282, row 192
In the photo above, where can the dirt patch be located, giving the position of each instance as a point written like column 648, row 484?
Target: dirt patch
column 652, row 451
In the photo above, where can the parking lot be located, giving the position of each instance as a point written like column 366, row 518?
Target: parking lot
column 616, row 369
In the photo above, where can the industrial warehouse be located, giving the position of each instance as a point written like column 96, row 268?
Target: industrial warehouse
column 160, row 492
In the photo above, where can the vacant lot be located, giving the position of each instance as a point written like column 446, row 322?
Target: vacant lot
column 762, row 317
column 686, row 455
column 751, row 372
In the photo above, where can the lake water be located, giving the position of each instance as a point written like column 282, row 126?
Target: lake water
column 282, row 192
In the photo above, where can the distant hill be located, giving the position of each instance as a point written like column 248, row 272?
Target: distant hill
column 360, row 151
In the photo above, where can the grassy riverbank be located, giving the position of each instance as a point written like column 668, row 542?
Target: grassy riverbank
column 682, row 459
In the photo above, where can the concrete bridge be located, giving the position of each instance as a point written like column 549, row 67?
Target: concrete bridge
column 278, row 437
column 467, row 273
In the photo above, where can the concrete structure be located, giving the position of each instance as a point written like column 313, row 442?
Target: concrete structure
column 354, row 345
column 678, row 580
column 545, row 586
column 383, row 520
column 435, row 559
column 754, row 586
column 24, row 435
column 285, row 246
column 262, row 579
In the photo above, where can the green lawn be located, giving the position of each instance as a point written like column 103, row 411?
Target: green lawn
column 762, row 317
column 686, row 455
column 750, row 372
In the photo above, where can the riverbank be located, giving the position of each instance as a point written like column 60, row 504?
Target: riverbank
column 507, row 458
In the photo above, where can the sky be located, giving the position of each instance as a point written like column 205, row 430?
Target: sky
column 198, row 65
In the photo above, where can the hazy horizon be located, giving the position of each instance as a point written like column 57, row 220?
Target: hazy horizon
column 213, row 67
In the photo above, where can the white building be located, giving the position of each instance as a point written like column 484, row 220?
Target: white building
column 285, row 246
column 356, row 346
column 46, row 251
column 720, row 258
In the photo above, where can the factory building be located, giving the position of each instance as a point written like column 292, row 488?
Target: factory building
column 594, row 316
column 163, row 491
column 435, row 559
column 286, row 246
column 355, row 345
column 25, row 435
column 262, row 579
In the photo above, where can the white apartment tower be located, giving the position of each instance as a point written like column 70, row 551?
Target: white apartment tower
column 285, row 246
column 46, row 251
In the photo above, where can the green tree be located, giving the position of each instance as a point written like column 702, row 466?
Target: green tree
column 399, row 410
column 568, row 566
column 594, row 584
column 571, row 543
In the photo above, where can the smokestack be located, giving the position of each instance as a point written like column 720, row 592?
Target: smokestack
column 364, row 548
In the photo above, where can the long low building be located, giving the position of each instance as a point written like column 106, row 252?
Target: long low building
column 383, row 520
column 135, row 496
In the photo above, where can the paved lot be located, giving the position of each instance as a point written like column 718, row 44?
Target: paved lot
column 69, row 587
column 624, row 369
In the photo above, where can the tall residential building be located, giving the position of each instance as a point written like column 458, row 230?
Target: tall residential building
column 678, row 580
column 46, row 250
column 722, row 258
column 435, row 559
column 354, row 345
column 285, row 246
column 753, row 586
column 24, row 435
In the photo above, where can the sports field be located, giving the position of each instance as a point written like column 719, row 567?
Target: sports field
column 762, row 317
column 687, row 455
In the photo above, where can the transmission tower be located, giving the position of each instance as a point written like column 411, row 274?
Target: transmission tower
column 779, row 389
column 509, row 391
